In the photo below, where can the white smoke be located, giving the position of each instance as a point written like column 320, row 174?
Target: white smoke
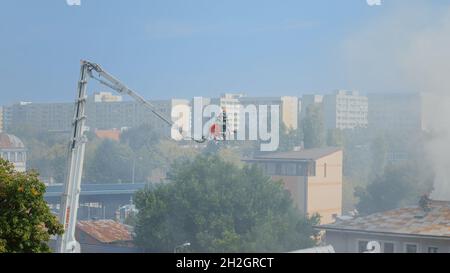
column 408, row 49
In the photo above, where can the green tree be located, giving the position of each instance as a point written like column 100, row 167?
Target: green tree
column 313, row 127
column 142, row 137
column 398, row 186
column 220, row 207
column 335, row 138
column 46, row 151
column 378, row 149
column 26, row 222
column 289, row 138
column 111, row 163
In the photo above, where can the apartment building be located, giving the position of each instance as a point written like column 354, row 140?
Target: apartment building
column 396, row 112
column 313, row 177
column 103, row 112
column 345, row 110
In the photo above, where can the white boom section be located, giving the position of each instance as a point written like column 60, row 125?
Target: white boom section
column 70, row 197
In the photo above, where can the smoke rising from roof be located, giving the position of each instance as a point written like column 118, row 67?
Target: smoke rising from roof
column 408, row 50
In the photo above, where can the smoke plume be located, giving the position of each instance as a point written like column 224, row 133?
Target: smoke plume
column 407, row 49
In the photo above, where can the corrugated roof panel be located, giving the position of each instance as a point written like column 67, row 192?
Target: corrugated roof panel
column 411, row 220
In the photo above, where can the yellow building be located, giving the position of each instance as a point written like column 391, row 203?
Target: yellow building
column 313, row 177
column 289, row 112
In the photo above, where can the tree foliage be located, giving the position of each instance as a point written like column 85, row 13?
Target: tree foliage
column 335, row 138
column 289, row 138
column 313, row 127
column 112, row 163
column 219, row 207
column 26, row 222
column 399, row 185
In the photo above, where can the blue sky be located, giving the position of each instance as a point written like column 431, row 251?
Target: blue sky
column 181, row 48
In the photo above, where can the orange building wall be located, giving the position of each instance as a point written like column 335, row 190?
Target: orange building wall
column 325, row 192
column 318, row 194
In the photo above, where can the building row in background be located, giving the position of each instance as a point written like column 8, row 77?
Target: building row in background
column 106, row 111
column 341, row 110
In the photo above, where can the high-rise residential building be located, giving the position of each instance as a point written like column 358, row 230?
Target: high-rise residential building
column 105, row 111
column 396, row 112
column 100, row 115
column 288, row 106
column 231, row 104
column 39, row 116
column 345, row 110
column 313, row 178
column 182, row 117
column 290, row 112
column 308, row 100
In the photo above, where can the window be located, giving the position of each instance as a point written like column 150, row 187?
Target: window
column 271, row 169
column 362, row 246
column 388, row 247
column 411, row 248
column 311, row 169
column 290, row 169
column 13, row 157
column 433, row 249
column 301, row 169
column 277, row 168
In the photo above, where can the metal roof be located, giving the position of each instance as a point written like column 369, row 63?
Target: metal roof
column 106, row 231
column 403, row 221
column 308, row 154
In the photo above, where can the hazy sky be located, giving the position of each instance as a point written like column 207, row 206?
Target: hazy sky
column 183, row 48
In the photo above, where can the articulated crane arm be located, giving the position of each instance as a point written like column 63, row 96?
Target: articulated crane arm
column 70, row 197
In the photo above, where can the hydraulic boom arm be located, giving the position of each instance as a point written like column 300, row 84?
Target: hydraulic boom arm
column 70, row 197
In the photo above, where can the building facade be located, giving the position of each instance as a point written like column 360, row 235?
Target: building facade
column 290, row 111
column 396, row 112
column 308, row 100
column 231, row 103
column 104, row 112
column 13, row 150
column 288, row 106
column 313, row 178
column 345, row 110
column 404, row 230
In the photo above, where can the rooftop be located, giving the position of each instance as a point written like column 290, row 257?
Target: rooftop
column 406, row 221
column 106, row 231
column 108, row 134
column 308, row 154
column 10, row 142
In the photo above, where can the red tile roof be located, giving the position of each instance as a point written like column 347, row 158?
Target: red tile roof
column 106, row 231
column 108, row 134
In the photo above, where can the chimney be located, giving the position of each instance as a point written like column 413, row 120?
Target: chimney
column 424, row 203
